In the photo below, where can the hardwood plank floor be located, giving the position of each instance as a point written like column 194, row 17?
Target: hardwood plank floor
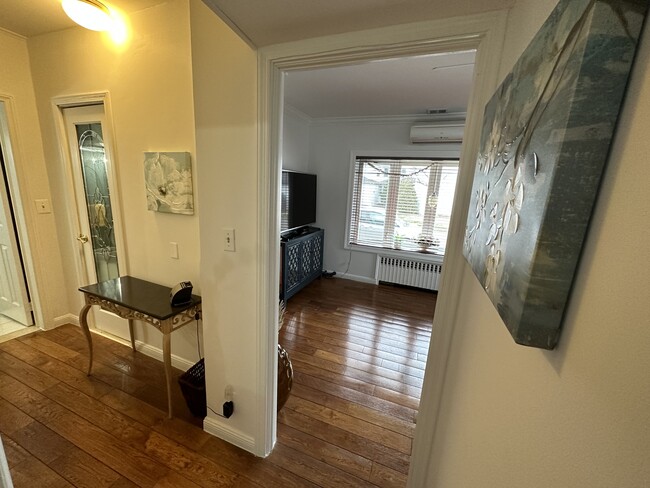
column 358, row 354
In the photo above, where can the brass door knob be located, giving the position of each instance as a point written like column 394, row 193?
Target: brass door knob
column 82, row 238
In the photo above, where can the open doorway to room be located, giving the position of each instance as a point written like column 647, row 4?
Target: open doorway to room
column 359, row 350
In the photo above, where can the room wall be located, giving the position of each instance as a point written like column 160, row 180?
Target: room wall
column 225, row 104
column 295, row 140
column 576, row 416
column 16, row 88
column 331, row 145
column 149, row 80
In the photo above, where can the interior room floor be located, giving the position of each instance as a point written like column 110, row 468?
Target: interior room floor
column 358, row 354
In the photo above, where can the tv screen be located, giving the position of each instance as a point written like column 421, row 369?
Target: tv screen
column 298, row 200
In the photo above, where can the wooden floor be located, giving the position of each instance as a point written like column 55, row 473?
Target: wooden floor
column 358, row 354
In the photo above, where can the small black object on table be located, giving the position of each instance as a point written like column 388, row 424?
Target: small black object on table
column 136, row 299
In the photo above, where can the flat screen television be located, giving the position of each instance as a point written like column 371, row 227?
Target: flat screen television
column 298, row 200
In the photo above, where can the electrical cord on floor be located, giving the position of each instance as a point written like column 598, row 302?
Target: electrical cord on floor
column 215, row 412
column 348, row 267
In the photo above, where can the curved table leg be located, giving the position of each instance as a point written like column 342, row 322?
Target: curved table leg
column 83, row 322
column 167, row 359
column 131, row 333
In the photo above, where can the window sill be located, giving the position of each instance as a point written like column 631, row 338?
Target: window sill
column 429, row 256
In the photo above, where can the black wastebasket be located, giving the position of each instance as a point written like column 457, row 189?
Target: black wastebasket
column 193, row 387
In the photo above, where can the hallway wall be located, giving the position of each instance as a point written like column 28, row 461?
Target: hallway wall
column 149, row 80
column 576, row 416
column 16, row 89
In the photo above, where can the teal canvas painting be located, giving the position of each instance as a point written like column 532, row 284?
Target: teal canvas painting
column 546, row 137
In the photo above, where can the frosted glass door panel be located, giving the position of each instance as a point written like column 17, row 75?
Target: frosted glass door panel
column 98, row 200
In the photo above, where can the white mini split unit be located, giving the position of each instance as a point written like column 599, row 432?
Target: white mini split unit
column 437, row 133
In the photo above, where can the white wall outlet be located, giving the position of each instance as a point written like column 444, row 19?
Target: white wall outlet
column 173, row 250
column 228, row 393
column 229, row 240
column 43, row 206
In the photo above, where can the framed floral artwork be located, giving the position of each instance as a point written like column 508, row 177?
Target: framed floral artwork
column 168, row 182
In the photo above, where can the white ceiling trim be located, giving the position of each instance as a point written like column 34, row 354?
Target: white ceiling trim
column 388, row 119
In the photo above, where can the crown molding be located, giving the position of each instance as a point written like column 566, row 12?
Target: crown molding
column 13, row 34
column 298, row 113
column 391, row 119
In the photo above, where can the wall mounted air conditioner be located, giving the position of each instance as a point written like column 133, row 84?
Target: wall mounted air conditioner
column 437, row 133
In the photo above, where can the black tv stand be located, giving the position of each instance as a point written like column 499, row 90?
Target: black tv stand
column 302, row 259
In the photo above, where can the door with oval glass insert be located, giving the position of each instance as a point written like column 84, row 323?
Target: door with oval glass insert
column 98, row 235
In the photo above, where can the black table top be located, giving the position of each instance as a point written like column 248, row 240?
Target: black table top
column 142, row 296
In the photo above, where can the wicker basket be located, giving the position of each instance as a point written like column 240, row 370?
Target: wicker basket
column 285, row 377
column 193, row 387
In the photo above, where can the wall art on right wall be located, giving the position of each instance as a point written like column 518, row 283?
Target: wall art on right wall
column 546, row 137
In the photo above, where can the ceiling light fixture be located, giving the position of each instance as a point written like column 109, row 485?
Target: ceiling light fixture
column 91, row 14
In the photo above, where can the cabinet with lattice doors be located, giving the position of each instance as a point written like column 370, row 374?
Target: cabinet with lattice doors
column 302, row 260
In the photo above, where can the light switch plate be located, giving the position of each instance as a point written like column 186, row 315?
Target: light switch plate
column 229, row 240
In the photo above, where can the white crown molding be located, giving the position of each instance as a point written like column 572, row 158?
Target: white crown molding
column 390, row 119
column 298, row 114
column 13, row 34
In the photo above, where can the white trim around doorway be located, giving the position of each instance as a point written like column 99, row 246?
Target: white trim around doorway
column 58, row 105
column 23, row 221
column 482, row 32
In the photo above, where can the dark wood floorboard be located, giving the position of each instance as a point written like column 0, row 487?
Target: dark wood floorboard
column 358, row 354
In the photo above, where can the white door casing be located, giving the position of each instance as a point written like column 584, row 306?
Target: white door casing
column 483, row 32
column 96, row 215
column 14, row 294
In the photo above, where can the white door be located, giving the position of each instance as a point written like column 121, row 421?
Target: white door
column 14, row 297
column 98, row 234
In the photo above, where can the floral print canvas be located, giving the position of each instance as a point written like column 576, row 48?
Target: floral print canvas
column 168, row 181
column 546, row 136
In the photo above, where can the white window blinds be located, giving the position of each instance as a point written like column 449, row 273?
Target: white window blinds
column 402, row 203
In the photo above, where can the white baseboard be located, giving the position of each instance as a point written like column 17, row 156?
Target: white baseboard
column 68, row 318
column 156, row 353
column 362, row 279
column 148, row 350
column 228, row 434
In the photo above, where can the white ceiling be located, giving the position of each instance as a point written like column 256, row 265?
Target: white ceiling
column 31, row 18
column 402, row 86
column 267, row 22
column 392, row 87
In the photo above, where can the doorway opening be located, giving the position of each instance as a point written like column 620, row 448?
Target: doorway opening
column 359, row 354
column 16, row 310
column 485, row 34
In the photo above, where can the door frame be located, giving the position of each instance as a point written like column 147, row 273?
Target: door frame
column 70, row 197
column 13, row 168
column 483, row 32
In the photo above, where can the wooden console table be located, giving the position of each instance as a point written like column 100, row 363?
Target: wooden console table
column 136, row 299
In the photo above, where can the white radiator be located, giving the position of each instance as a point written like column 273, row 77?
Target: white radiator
column 410, row 272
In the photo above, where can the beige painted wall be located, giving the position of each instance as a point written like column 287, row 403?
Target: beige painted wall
column 150, row 86
column 577, row 416
column 17, row 90
column 225, row 105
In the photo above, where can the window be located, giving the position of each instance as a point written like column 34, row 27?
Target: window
column 402, row 203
